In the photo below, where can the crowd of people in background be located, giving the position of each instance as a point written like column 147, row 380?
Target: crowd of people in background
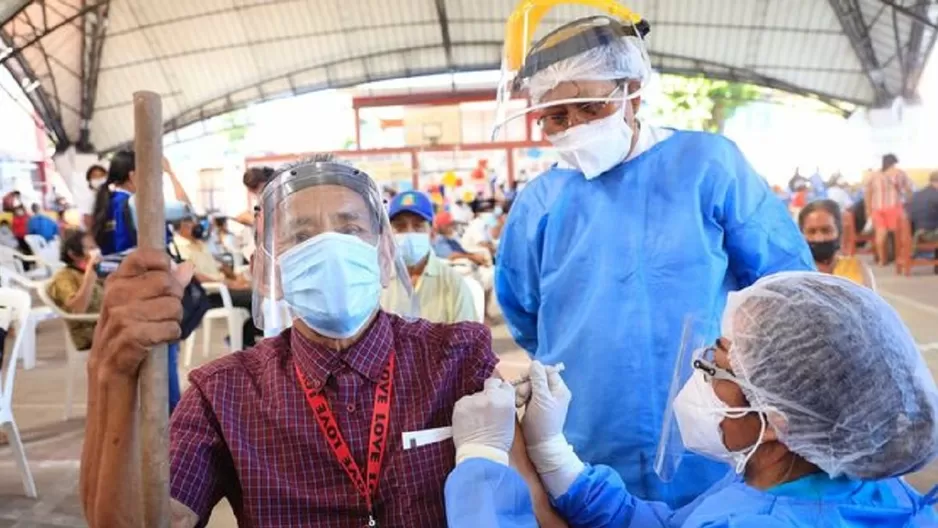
column 449, row 249
column 878, row 203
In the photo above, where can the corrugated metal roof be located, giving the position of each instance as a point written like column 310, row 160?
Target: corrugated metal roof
column 212, row 56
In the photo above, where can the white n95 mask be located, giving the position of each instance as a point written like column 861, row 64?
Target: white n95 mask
column 332, row 282
column 597, row 146
column 413, row 247
column 699, row 412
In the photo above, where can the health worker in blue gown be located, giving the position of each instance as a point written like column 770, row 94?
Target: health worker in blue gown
column 815, row 402
column 604, row 255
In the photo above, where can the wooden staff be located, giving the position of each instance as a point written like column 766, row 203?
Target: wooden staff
column 154, row 380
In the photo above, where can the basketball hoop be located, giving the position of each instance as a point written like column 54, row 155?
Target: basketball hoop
column 432, row 132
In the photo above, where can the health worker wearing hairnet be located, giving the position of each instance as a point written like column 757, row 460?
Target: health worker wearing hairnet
column 603, row 256
column 815, row 410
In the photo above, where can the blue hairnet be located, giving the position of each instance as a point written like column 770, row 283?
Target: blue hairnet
column 836, row 371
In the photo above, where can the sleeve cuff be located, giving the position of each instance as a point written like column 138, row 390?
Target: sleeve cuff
column 467, row 451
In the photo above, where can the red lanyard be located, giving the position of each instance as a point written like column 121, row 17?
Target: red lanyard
column 377, row 440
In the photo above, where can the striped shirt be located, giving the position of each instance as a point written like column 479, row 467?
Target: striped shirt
column 885, row 189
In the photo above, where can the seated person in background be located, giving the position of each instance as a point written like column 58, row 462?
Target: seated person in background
column 448, row 248
column 923, row 213
column 221, row 241
column 188, row 241
column 21, row 229
column 42, row 225
column 443, row 295
column 6, row 235
column 501, row 214
column 252, row 425
column 76, row 287
column 60, row 221
column 462, row 213
column 478, row 235
column 821, row 224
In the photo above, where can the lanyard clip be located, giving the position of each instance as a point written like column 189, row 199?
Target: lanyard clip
column 371, row 520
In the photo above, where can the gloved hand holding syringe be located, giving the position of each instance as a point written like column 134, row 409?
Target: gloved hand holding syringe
column 522, row 386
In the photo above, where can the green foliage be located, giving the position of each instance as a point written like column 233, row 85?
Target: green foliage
column 235, row 128
column 698, row 103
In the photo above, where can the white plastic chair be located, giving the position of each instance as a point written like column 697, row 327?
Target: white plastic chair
column 11, row 278
column 20, row 303
column 14, row 260
column 75, row 359
column 234, row 316
column 478, row 298
column 46, row 252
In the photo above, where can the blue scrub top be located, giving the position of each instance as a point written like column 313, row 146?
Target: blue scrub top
column 43, row 226
column 601, row 275
column 121, row 229
column 480, row 492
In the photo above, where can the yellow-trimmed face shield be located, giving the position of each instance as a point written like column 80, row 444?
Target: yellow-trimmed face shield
column 601, row 41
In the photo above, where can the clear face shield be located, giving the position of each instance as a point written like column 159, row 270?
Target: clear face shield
column 325, row 251
column 574, row 73
column 698, row 336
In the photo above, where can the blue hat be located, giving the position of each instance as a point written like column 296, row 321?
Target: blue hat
column 412, row 202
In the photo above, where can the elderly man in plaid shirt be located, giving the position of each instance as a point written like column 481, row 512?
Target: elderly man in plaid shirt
column 304, row 429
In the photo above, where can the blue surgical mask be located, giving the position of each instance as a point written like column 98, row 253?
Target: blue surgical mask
column 332, row 282
column 499, row 211
column 412, row 247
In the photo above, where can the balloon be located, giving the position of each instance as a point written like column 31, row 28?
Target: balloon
column 449, row 179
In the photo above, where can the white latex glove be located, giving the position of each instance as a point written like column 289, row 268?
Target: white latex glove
column 484, row 423
column 551, row 454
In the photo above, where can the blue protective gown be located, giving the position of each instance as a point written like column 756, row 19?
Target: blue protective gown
column 601, row 274
column 484, row 493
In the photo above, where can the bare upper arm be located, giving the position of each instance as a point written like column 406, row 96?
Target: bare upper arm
column 182, row 517
column 868, row 279
column 546, row 516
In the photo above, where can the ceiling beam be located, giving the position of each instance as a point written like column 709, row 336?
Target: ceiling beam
column 444, row 30
column 10, row 9
column 715, row 70
column 24, row 75
column 18, row 49
column 921, row 18
column 95, row 23
column 850, row 16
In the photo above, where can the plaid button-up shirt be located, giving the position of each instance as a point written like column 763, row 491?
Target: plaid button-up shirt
column 244, row 430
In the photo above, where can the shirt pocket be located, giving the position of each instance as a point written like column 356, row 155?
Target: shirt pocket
column 420, row 473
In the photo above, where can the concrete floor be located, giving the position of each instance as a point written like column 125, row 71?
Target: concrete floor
column 53, row 445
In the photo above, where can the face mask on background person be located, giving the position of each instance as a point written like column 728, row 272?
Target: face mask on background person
column 499, row 211
column 824, row 250
column 96, row 183
column 332, row 282
column 699, row 412
column 597, row 146
column 413, row 247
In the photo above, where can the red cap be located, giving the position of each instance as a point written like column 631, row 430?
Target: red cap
column 443, row 219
